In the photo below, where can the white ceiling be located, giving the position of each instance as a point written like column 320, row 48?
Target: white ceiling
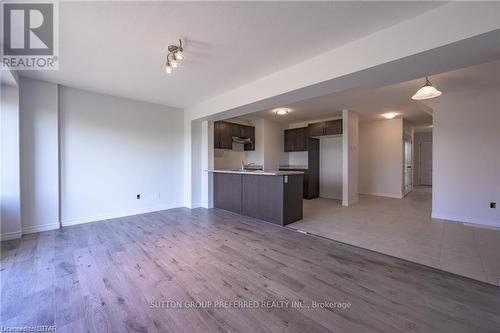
column 119, row 48
column 372, row 103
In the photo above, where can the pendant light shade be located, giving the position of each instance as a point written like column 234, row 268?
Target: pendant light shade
column 427, row 91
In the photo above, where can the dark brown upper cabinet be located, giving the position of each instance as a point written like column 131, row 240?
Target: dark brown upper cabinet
column 224, row 132
column 332, row 127
column 249, row 132
column 223, row 135
column 296, row 139
column 316, row 129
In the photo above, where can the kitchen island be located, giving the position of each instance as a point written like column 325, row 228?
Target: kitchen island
column 272, row 196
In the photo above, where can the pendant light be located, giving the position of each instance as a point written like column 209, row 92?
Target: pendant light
column 427, row 91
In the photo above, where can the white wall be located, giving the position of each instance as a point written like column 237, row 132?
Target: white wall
column 230, row 159
column 466, row 156
column 330, row 167
column 274, row 151
column 256, row 156
column 381, row 158
column 39, row 141
column 114, row 148
column 299, row 158
column 10, row 206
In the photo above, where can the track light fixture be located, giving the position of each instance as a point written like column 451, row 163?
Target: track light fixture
column 175, row 53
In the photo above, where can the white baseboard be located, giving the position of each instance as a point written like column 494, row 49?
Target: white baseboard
column 388, row 195
column 347, row 203
column 123, row 213
column 476, row 222
column 482, row 226
column 39, row 228
column 10, row 235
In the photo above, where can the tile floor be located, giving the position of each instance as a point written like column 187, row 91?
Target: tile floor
column 403, row 228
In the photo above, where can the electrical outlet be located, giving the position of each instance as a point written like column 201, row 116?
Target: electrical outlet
column 138, row 196
column 493, row 205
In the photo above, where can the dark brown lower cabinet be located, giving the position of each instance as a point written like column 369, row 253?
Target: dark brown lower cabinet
column 227, row 191
column 275, row 199
column 313, row 168
column 305, row 181
column 310, row 185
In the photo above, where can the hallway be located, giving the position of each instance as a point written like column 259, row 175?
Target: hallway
column 403, row 228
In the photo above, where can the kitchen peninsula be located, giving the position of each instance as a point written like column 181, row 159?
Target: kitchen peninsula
column 272, row 196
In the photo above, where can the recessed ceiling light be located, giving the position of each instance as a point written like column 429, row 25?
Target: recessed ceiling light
column 390, row 115
column 281, row 111
column 427, row 91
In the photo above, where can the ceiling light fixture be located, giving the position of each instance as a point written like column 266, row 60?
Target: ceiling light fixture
column 281, row 111
column 427, row 91
column 390, row 115
column 175, row 53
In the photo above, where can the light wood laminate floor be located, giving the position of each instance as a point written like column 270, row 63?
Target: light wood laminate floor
column 105, row 277
column 404, row 228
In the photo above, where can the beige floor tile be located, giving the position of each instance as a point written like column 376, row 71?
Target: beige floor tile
column 403, row 228
column 466, row 265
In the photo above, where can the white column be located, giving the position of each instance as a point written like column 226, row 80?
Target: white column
column 349, row 158
column 207, row 163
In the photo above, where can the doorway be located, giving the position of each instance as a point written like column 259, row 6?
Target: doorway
column 408, row 174
column 423, row 158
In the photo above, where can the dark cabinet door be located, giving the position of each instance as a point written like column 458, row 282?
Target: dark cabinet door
column 236, row 129
column 224, row 132
column 316, row 129
column 227, row 191
column 227, row 135
column 333, row 127
column 218, row 135
column 289, row 140
column 295, row 139
column 249, row 132
column 301, row 139
column 223, row 135
column 313, row 168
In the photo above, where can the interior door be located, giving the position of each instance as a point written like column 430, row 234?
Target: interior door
column 408, row 174
column 425, row 163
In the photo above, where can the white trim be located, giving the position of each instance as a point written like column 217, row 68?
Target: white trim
column 39, row 228
column 347, row 203
column 130, row 212
column 388, row 195
column 482, row 226
column 10, row 235
column 478, row 222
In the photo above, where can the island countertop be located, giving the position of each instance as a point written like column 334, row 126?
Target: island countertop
column 258, row 172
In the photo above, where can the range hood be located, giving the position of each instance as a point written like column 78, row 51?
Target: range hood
column 241, row 139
